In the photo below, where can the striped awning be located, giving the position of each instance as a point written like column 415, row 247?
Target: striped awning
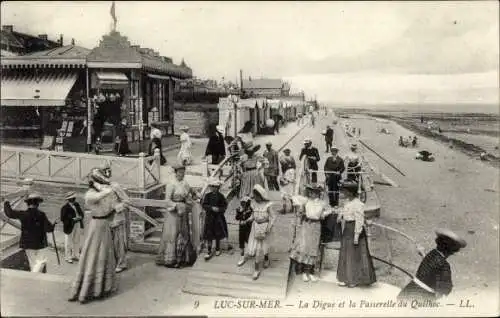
column 36, row 62
column 159, row 77
column 112, row 79
column 46, row 89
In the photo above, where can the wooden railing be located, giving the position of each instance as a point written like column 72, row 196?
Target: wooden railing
column 70, row 167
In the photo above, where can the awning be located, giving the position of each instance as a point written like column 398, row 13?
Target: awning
column 111, row 79
column 274, row 103
column 247, row 103
column 159, row 77
column 46, row 89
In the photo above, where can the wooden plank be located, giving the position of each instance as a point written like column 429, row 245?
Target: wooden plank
column 229, row 291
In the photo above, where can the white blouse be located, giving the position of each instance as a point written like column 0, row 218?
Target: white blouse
column 353, row 210
column 315, row 209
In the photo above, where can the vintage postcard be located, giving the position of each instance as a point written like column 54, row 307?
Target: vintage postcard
column 250, row 159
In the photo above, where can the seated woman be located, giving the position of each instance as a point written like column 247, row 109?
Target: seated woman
column 424, row 155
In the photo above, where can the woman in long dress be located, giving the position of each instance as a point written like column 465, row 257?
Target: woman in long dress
column 96, row 277
column 355, row 267
column 176, row 235
column 305, row 248
column 251, row 168
column 259, row 239
column 184, row 157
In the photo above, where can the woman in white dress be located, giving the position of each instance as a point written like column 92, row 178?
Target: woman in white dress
column 305, row 248
column 184, row 157
column 259, row 239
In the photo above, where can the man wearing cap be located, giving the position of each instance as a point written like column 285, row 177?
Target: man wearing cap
column 272, row 171
column 334, row 167
column 216, row 147
column 328, row 138
column 313, row 158
column 34, row 228
column 72, row 219
column 433, row 278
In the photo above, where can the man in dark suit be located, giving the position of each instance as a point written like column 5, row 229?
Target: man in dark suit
column 334, row 167
column 328, row 138
column 216, row 146
column 34, row 228
column 313, row 158
column 72, row 219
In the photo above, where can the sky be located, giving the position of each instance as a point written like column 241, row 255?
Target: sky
column 343, row 52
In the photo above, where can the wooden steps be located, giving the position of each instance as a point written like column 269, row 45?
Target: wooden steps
column 221, row 277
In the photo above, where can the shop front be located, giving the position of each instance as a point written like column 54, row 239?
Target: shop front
column 43, row 94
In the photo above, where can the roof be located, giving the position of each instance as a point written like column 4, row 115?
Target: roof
column 10, row 39
column 7, row 53
column 262, row 83
column 69, row 51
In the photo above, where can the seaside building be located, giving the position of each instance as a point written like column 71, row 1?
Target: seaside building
column 19, row 43
column 56, row 92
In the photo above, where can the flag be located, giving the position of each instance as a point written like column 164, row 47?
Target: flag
column 113, row 13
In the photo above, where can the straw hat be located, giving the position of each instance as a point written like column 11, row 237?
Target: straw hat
column 246, row 198
column 452, row 236
column 250, row 147
column 178, row 166
column 307, row 141
column 261, row 191
column 70, row 195
column 220, row 129
column 34, row 196
column 184, row 128
column 213, row 182
column 97, row 176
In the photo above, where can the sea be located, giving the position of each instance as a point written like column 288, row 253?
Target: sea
column 491, row 109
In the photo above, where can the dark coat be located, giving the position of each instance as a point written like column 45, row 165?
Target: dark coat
column 215, row 222
column 216, row 145
column 435, row 272
column 329, row 134
column 311, row 152
column 336, row 164
column 156, row 143
column 68, row 214
column 34, row 227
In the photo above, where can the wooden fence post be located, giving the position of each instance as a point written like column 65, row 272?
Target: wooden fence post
column 157, row 157
column 141, row 171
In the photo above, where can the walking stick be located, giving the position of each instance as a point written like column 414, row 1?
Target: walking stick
column 55, row 246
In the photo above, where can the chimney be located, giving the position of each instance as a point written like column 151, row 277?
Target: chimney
column 43, row 36
column 72, row 41
column 8, row 28
column 61, row 40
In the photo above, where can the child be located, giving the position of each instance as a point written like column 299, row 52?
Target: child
column 244, row 214
column 214, row 204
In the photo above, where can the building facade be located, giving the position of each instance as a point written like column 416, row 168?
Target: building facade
column 97, row 90
column 20, row 43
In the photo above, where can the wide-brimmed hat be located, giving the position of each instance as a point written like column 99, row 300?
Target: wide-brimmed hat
column 287, row 150
column 70, row 195
column 351, row 186
column 184, row 128
column 34, row 196
column 250, row 147
column 269, row 143
column 307, row 141
column 452, row 236
column 314, row 187
column 261, row 191
column 213, row 182
column 96, row 175
column 334, row 149
column 178, row 167
column 246, row 198
column 354, row 146
column 219, row 128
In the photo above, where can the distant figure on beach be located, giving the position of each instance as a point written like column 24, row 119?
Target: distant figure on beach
column 414, row 141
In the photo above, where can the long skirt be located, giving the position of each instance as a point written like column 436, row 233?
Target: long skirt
column 96, row 276
column 305, row 249
column 119, row 234
column 355, row 262
column 215, row 226
column 257, row 248
column 174, row 226
column 248, row 180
